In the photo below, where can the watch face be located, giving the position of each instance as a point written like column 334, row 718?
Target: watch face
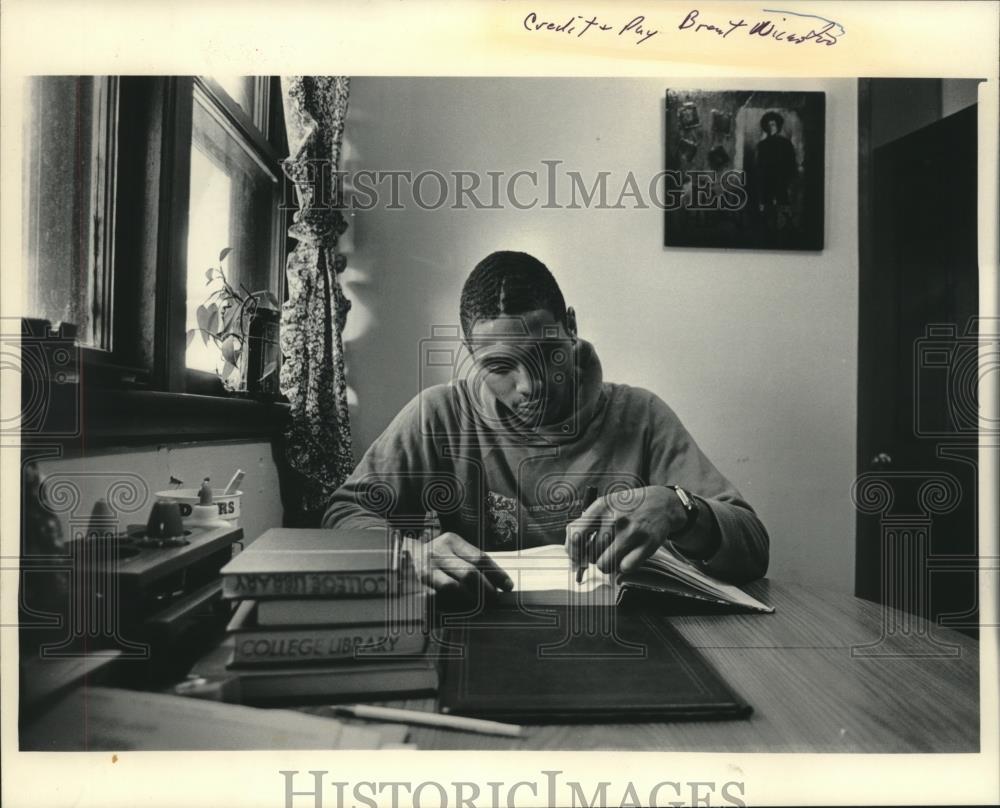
column 685, row 499
column 690, row 508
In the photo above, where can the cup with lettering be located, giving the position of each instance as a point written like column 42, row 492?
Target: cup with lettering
column 187, row 498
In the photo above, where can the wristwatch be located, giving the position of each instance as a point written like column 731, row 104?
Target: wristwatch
column 690, row 508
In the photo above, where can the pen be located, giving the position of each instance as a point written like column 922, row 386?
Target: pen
column 458, row 722
column 432, row 525
column 396, row 567
column 589, row 498
column 233, row 483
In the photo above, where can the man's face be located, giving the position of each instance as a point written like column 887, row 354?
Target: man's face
column 527, row 362
column 772, row 127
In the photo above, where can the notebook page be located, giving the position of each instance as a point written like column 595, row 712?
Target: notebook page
column 545, row 568
column 665, row 559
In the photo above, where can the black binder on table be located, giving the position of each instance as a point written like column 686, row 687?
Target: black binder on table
column 561, row 665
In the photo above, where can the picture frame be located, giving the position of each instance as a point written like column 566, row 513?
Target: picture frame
column 745, row 169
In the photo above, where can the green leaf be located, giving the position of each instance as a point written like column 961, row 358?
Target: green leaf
column 230, row 317
column 213, row 318
column 269, row 368
column 208, row 275
column 225, row 372
column 232, row 378
column 224, row 253
column 201, row 317
column 230, row 350
column 190, row 337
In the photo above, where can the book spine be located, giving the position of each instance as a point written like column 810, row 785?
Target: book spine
column 283, row 688
column 341, row 612
column 291, row 647
column 309, row 584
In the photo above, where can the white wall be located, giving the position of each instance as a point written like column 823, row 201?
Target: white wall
column 755, row 350
column 957, row 94
column 261, row 504
column 901, row 106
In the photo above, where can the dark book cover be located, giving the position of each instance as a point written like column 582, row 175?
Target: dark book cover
column 559, row 666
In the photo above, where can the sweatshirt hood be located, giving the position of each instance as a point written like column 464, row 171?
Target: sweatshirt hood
column 588, row 398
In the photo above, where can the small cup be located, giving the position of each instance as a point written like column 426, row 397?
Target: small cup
column 227, row 505
column 165, row 521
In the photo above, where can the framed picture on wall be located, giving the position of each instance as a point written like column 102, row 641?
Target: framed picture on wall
column 744, row 169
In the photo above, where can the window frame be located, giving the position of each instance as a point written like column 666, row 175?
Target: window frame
column 104, row 204
column 139, row 389
column 98, row 213
column 251, row 132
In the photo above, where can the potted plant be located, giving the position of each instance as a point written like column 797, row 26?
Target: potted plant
column 226, row 318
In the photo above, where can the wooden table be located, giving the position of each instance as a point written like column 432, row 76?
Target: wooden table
column 827, row 672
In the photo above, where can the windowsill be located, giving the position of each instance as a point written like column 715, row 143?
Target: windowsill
column 116, row 417
column 97, row 405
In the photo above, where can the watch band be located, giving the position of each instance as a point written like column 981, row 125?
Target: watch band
column 690, row 508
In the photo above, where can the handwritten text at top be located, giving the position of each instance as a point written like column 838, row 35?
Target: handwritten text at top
column 782, row 26
column 787, row 27
column 635, row 29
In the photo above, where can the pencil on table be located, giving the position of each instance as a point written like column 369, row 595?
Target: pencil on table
column 456, row 722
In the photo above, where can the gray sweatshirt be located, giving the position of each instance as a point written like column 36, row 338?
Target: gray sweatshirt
column 450, row 451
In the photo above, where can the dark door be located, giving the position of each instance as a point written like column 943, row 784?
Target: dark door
column 917, row 372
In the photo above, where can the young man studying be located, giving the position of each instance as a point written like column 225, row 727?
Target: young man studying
column 505, row 453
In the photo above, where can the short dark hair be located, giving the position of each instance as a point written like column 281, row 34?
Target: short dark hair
column 509, row 282
column 767, row 117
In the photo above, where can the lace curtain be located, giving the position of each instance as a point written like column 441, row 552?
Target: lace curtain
column 318, row 440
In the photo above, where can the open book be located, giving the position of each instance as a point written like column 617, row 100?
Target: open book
column 547, row 569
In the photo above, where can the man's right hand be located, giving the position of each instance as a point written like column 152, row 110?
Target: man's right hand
column 450, row 565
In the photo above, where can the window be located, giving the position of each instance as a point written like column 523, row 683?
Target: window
column 234, row 206
column 70, row 136
column 133, row 186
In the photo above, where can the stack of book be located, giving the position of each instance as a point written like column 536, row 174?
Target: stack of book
column 330, row 614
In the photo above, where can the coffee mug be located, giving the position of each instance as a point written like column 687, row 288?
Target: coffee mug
column 186, row 498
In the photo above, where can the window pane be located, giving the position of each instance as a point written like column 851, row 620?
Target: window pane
column 240, row 89
column 208, row 233
column 233, row 204
column 68, row 187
